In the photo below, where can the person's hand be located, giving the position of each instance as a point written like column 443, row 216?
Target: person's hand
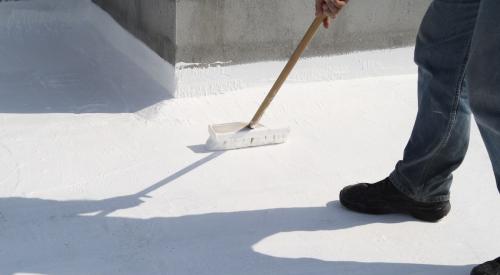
column 330, row 8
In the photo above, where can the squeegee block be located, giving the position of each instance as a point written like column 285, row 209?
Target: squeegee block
column 236, row 135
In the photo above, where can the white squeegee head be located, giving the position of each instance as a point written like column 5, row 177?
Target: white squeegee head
column 237, row 135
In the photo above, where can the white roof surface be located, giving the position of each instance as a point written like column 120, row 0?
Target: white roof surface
column 86, row 136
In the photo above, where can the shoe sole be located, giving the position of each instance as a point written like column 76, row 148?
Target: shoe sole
column 428, row 214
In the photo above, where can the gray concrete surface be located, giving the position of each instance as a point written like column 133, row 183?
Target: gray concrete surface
column 152, row 21
column 206, row 31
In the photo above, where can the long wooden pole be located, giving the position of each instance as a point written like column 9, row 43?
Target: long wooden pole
column 286, row 71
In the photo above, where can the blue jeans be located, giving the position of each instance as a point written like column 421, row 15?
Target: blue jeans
column 458, row 55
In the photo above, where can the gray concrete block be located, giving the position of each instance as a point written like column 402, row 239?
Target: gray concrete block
column 152, row 21
column 207, row 31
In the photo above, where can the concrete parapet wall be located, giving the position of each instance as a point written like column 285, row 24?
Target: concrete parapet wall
column 254, row 30
column 201, row 38
column 152, row 21
column 244, row 31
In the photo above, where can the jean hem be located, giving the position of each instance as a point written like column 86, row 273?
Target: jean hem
column 402, row 187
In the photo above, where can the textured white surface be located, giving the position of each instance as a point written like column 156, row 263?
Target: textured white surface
column 221, row 79
column 99, row 175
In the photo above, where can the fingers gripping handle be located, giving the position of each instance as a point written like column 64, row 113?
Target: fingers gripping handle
column 288, row 68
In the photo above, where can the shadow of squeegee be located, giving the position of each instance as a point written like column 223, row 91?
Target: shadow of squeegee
column 158, row 185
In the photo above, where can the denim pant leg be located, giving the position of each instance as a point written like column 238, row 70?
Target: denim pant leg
column 440, row 136
column 483, row 75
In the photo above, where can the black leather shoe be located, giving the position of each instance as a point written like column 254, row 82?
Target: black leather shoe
column 488, row 268
column 383, row 198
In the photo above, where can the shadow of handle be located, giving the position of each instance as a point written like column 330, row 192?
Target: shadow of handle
column 135, row 199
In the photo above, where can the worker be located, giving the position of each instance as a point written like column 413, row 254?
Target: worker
column 458, row 56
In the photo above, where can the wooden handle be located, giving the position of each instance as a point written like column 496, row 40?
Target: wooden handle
column 286, row 71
